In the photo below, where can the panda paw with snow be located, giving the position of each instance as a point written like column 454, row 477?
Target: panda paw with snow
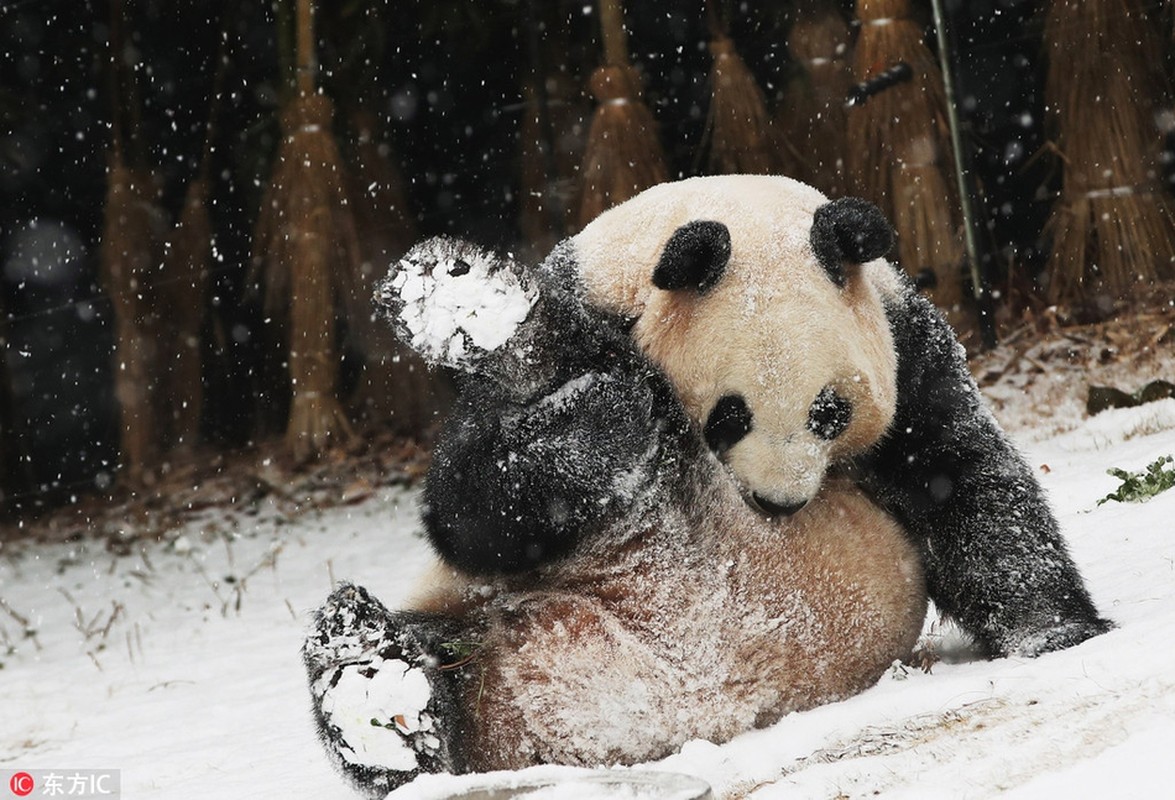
column 381, row 695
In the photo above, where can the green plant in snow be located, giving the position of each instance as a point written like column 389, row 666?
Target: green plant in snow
column 460, row 653
column 1142, row 485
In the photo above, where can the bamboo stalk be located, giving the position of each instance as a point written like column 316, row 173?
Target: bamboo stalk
column 965, row 182
column 128, row 255
column 187, row 266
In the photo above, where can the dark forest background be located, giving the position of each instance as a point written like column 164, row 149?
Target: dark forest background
column 445, row 81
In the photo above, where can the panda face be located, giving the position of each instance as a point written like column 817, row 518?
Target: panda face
column 748, row 292
column 731, row 421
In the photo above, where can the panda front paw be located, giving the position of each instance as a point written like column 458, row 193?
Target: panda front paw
column 385, row 709
column 454, row 303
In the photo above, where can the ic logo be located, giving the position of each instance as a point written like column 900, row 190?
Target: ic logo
column 21, row 784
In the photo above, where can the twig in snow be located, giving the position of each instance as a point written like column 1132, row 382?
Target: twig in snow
column 118, row 609
column 213, row 585
column 142, row 576
column 146, row 560
column 21, row 620
column 26, row 627
column 228, row 548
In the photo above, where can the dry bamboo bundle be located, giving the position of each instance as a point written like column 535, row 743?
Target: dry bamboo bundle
column 1113, row 227
column 812, row 117
column 394, row 385
column 742, row 138
column 622, row 156
column 183, row 289
column 901, row 153
column 552, row 149
column 379, row 197
column 187, row 265
column 129, row 255
column 553, row 132
column 306, row 241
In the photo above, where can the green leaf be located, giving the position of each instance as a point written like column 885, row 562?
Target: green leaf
column 1143, row 485
column 459, row 650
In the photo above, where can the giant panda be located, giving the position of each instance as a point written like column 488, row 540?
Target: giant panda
column 667, row 504
column 783, row 348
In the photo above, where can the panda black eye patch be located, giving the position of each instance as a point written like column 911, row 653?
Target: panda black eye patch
column 729, row 421
column 830, row 414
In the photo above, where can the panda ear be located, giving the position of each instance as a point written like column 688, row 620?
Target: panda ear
column 695, row 256
column 848, row 231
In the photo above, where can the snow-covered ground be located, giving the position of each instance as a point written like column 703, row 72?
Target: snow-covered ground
column 179, row 665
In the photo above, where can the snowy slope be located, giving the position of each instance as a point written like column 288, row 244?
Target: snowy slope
column 195, row 689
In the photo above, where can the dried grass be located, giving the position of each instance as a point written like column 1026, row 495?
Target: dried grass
column 812, row 117
column 742, row 137
column 1113, row 230
column 901, row 153
column 623, row 156
column 306, row 241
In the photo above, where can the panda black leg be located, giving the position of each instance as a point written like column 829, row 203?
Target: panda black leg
column 385, row 706
column 995, row 559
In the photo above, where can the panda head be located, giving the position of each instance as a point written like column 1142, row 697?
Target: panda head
column 756, row 296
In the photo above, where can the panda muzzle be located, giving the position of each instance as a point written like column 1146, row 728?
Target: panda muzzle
column 774, row 509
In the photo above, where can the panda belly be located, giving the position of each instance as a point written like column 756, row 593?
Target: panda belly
column 688, row 633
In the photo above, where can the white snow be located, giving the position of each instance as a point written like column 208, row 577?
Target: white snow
column 191, row 684
column 458, row 302
column 394, row 696
column 561, row 783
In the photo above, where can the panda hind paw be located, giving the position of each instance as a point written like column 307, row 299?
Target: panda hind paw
column 386, row 710
column 1058, row 637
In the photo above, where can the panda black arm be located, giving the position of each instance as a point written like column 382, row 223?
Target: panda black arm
column 565, row 431
column 994, row 556
column 562, row 426
column 516, row 485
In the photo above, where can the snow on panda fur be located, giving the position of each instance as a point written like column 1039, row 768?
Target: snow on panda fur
column 800, row 344
column 605, row 592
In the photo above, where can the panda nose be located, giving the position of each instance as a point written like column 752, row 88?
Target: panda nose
column 772, row 509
